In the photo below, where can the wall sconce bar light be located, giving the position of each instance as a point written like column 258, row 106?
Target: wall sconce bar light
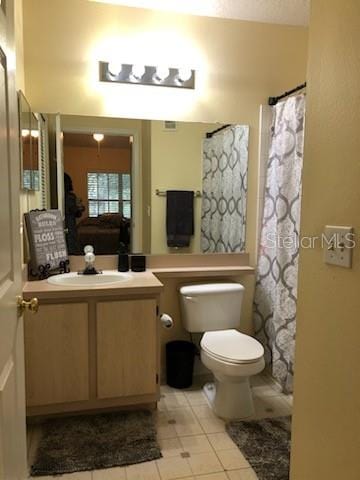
column 147, row 75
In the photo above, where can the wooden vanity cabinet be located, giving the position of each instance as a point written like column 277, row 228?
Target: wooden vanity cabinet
column 126, row 348
column 56, row 354
column 91, row 354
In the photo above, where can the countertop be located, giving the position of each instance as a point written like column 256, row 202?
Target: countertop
column 203, row 271
column 140, row 283
column 148, row 282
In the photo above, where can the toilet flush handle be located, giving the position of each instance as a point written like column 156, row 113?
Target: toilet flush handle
column 192, row 299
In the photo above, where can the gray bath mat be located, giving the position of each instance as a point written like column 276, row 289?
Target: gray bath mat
column 92, row 442
column 265, row 444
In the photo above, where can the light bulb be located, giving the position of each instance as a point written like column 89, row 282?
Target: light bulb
column 184, row 74
column 162, row 73
column 35, row 133
column 114, row 67
column 99, row 137
column 25, row 132
column 138, row 71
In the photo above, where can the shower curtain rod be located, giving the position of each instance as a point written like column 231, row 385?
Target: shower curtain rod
column 210, row 134
column 274, row 100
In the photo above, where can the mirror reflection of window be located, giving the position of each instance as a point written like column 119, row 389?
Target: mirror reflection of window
column 34, row 138
column 109, row 193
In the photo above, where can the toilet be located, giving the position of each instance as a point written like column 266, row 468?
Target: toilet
column 214, row 309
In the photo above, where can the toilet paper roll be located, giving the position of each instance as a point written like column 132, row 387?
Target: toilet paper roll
column 166, row 321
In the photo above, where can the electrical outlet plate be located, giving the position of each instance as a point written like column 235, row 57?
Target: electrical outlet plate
column 338, row 244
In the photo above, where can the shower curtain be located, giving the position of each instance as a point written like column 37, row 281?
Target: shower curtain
column 223, row 216
column 277, row 270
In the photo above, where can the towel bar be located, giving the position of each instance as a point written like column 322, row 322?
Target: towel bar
column 162, row 193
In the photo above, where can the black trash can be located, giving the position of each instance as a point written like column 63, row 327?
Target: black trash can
column 180, row 363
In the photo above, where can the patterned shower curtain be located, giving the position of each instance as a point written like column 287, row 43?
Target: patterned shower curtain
column 223, row 217
column 277, row 270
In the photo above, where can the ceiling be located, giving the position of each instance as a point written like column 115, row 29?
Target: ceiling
column 87, row 140
column 288, row 12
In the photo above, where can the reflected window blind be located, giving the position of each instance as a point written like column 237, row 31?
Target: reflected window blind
column 109, row 193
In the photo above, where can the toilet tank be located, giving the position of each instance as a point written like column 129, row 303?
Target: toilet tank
column 211, row 306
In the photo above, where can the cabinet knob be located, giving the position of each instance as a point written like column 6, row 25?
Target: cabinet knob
column 31, row 305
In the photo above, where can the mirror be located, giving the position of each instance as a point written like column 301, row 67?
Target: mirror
column 29, row 145
column 35, row 135
column 25, row 147
column 117, row 174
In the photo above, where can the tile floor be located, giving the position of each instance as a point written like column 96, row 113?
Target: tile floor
column 194, row 443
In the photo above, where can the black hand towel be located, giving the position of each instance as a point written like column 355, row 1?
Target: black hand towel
column 179, row 217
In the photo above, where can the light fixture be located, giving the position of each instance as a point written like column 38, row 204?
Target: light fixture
column 138, row 71
column 162, row 73
column 114, row 67
column 25, row 132
column 99, row 137
column 184, row 74
column 35, row 133
column 139, row 74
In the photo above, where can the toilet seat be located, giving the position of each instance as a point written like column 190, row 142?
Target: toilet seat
column 231, row 346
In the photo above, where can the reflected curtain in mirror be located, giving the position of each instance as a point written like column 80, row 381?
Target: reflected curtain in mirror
column 225, row 163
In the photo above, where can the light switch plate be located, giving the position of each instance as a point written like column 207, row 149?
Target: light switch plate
column 338, row 243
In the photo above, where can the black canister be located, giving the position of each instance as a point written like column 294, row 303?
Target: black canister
column 138, row 263
column 123, row 262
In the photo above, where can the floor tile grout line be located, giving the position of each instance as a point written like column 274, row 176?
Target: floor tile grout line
column 211, row 446
column 157, row 468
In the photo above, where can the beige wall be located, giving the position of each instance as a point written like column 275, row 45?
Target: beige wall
column 326, row 424
column 176, row 163
column 238, row 63
column 19, row 41
column 81, row 122
column 78, row 161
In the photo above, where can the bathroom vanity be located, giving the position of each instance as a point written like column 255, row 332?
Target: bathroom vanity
column 89, row 348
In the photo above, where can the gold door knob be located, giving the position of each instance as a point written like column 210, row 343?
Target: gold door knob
column 31, row 305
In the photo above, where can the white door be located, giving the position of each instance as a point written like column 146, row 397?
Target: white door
column 60, row 164
column 12, row 396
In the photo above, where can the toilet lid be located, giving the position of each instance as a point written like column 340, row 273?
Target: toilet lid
column 232, row 346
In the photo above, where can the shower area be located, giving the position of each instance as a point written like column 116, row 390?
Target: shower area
column 275, row 299
column 224, row 186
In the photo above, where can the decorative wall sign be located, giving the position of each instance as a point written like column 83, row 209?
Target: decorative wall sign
column 48, row 251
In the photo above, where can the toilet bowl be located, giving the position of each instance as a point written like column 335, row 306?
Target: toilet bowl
column 232, row 356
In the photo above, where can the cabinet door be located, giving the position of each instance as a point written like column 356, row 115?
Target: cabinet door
column 126, row 348
column 56, row 354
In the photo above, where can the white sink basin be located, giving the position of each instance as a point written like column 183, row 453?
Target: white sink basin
column 73, row 279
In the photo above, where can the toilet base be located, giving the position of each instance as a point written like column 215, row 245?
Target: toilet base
column 230, row 400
